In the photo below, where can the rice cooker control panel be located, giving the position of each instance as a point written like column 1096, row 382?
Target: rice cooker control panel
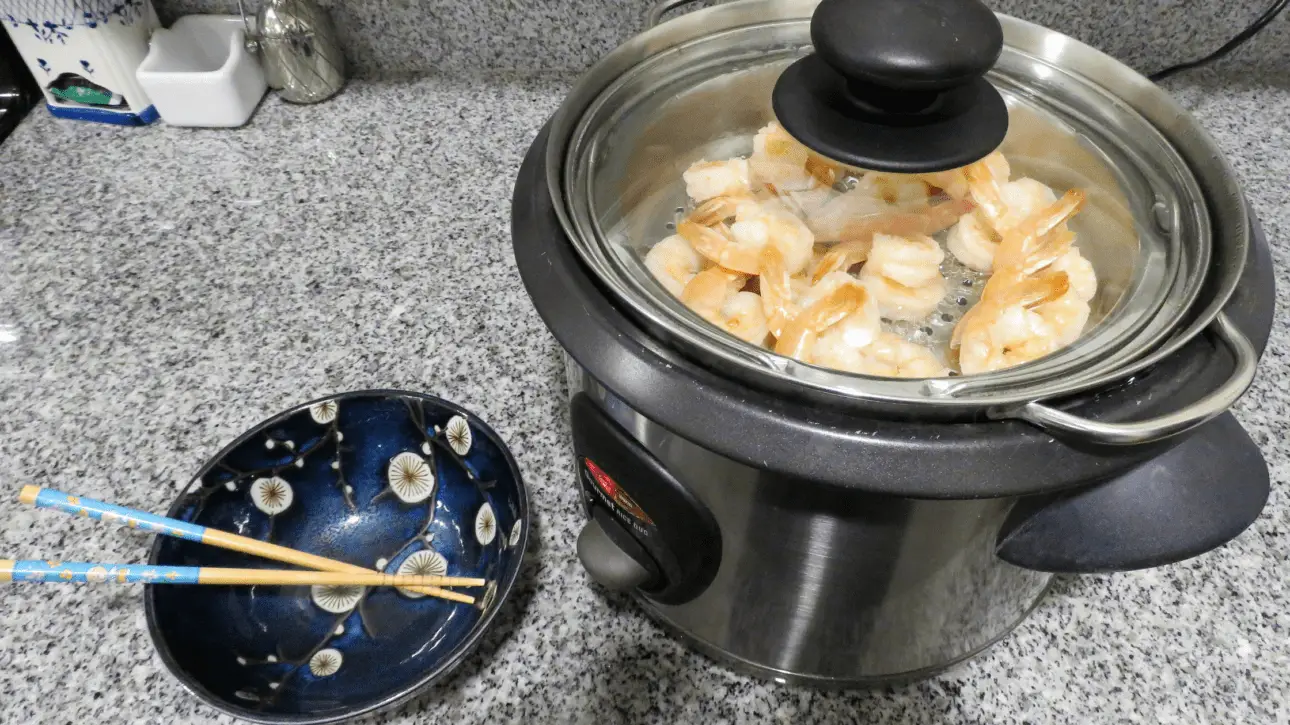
column 645, row 529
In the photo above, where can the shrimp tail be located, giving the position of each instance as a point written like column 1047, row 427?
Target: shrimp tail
column 1024, row 239
column 776, row 289
column 802, row 331
column 983, row 188
column 716, row 244
column 708, row 290
column 715, row 210
column 842, row 256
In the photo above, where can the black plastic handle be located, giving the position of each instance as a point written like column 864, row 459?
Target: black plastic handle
column 1194, row 498
column 911, row 45
column 611, row 556
column 897, row 86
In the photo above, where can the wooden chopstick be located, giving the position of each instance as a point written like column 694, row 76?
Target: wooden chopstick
column 34, row 570
column 46, row 498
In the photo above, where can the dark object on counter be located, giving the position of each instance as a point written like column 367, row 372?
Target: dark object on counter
column 18, row 92
column 871, row 530
column 395, row 481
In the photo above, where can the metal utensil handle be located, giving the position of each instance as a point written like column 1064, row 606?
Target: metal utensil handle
column 1165, row 426
column 663, row 7
column 248, row 38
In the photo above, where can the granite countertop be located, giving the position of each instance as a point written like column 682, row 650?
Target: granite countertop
column 162, row 289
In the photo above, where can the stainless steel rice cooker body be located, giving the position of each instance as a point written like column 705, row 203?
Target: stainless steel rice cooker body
column 813, row 539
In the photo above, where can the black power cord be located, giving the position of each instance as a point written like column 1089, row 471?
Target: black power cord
column 1268, row 16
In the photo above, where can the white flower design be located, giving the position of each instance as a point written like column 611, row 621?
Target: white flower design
column 96, row 574
column 326, row 662
column 336, row 599
column 515, row 533
column 485, row 524
column 324, row 412
column 272, row 495
column 426, row 562
column 410, row 477
column 459, row 436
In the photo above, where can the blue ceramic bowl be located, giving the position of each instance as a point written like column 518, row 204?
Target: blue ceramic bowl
column 388, row 480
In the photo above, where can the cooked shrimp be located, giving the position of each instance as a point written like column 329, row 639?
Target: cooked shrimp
column 1069, row 313
column 952, row 183
column 1021, row 199
column 767, row 253
column 707, row 179
column 780, row 160
column 955, row 183
column 778, row 291
column 904, row 275
column 716, row 209
column 895, row 357
column 985, row 189
column 898, row 302
column 1027, row 292
column 806, row 204
column 1004, row 329
column 897, row 189
column 1013, row 336
column 924, row 219
column 714, row 294
column 743, row 317
column 992, row 335
column 717, row 244
column 913, row 261
column 1067, row 316
column 673, row 262
column 841, row 257
column 768, row 222
column 830, row 308
column 856, row 214
column 1039, row 239
column 1002, row 206
column 841, row 345
column 1083, row 279
column 973, row 243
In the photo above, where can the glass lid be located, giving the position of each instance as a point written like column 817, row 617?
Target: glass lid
column 1070, row 250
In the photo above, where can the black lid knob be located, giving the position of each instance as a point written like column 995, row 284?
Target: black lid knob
column 897, row 85
column 907, row 44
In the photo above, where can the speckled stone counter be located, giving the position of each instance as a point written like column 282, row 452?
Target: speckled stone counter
column 383, row 37
column 162, row 289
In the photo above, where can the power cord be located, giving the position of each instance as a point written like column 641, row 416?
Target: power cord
column 1231, row 45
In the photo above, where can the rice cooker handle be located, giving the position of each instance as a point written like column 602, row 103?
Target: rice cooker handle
column 1195, row 497
column 1165, row 426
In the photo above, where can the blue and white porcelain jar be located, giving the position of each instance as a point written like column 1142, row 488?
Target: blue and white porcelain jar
column 83, row 54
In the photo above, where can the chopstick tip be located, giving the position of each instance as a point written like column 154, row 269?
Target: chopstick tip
column 28, row 494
